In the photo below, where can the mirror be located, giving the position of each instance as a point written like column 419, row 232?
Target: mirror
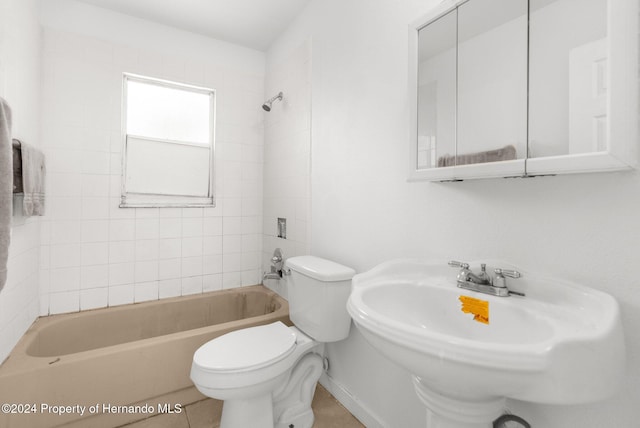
column 492, row 81
column 437, row 91
column 523, row 87
column 568, row 77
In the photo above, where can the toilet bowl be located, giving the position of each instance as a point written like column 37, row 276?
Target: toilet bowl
column 267, row 374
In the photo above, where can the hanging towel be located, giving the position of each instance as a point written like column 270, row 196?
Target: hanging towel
column 6, row 187
column 33, row 174
column 497, row 155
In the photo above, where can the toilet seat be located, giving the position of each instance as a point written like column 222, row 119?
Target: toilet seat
column 247, row 349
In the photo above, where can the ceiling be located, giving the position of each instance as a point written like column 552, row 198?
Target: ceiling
column 251, row 23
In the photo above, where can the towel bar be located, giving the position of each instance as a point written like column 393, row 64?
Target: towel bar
column 17, row 166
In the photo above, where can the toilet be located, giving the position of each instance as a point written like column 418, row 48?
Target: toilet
column 267, row 374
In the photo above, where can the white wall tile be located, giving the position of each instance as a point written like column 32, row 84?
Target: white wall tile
column 251, row 277
column 231, row 280
column 170, row 228
column 121, row 251
column 212, row 245
column 192, row 247
column 212, row 264
column 64, row 279
column 170, row 269
column 211, row 283
column 121, row 294
column 169, row 288
column 145, row 291
column 146, row 271
column 94, row 162
column 95, row 230
column 191, row 226
column 192, row 212
column 94, row 298
column 232, row 244
column 95, row 208
column 142, row 253
column 148, row 249
column 65, row 255
column 212, row 226
column 65, row 232
column 94, row 253
column 148, row 212
column 191, row 266
column 147, row 228
column 191, row 285
column 170, row 248
column 60, row 303
column 94, row 276
column 232, row 225
column 121, row 273
column 122, row 230
column 95, row 185
column 232, row 262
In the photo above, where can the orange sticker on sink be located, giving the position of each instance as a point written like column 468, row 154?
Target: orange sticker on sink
column 479, row 308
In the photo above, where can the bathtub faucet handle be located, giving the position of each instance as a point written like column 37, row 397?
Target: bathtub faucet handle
column 277, row 266
column 277, row 261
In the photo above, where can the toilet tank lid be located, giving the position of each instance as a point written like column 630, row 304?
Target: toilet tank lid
column 320, row 269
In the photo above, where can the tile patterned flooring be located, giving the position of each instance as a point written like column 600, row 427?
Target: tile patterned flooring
column 328, row 411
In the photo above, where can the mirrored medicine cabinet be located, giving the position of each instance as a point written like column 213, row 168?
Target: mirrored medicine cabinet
column 509, row 88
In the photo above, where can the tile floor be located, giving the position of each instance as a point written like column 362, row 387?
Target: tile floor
column 206, row 414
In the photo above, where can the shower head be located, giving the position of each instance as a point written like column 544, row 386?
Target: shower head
column 267, row 105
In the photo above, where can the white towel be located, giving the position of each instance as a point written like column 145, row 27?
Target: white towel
column 33, row 174
column 6, row 187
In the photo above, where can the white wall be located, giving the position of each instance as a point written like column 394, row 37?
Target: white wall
column 581, row 228
column 287, row 151
column 20, row 86
column 95, row 254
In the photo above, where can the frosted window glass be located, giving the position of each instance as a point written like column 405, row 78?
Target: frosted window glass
column 168, row 146
column 161, row 112
column 175, row 169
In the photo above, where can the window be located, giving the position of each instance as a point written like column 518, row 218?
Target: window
column 168, row 149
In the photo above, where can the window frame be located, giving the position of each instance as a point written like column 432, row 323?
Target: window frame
column 155, row 200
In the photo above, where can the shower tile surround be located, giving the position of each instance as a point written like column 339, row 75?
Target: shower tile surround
column 93, row 253
column 287, row 158
column 19, row 84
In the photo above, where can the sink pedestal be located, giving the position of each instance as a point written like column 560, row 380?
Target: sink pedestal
column 448, row 412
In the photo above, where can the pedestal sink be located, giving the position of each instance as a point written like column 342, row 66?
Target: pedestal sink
column 562, row 343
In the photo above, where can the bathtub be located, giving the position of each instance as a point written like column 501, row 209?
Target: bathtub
column 117, row 365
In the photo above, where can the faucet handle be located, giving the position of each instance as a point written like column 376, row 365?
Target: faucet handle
column 462, row 265
column 508, row 272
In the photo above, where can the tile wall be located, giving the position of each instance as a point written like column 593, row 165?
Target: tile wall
column 20, row 86
column 95, row 254
column 287, row 163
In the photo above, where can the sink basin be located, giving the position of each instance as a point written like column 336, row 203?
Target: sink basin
column 561, row 343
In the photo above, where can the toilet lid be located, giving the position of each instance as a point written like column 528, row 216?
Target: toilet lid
column 246, row 348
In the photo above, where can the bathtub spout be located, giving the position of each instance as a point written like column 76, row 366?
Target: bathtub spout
column 271, row 275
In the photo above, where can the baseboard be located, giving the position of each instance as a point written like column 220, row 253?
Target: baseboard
column 351, row 403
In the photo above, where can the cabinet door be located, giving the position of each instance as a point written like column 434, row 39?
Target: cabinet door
column 582, row 73
column 436, row 97
column 492, row 87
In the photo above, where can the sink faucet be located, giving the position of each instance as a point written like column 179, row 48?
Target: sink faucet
column 482, row 282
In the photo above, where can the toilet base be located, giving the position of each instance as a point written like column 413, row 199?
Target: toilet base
column 292, row 402
column 288, row 406
column 255, row 412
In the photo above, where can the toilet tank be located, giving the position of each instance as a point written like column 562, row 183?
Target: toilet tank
column 318, row 290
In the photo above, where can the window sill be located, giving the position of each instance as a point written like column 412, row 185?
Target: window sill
column 155, row 201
